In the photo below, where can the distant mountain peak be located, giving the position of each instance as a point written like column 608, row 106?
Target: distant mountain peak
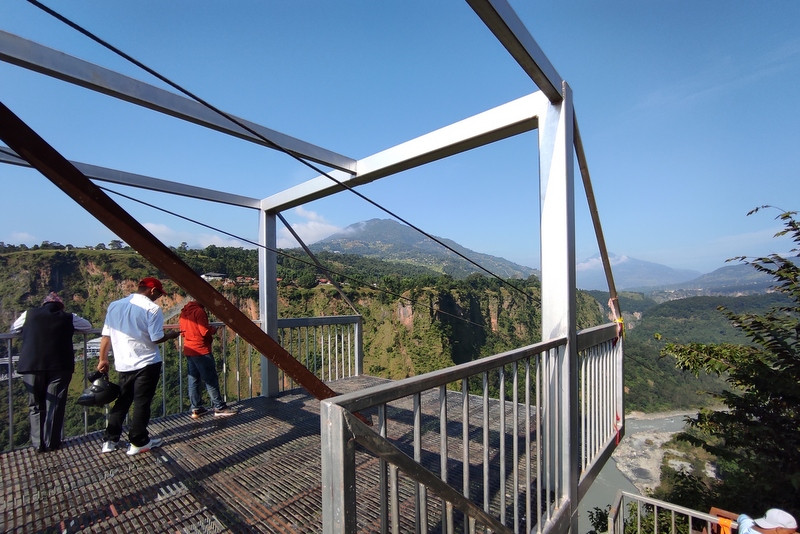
column 391, row 241
column 629, row 273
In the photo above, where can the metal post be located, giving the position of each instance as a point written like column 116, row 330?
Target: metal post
column 557, row 236
column 338, row 472
column 268, row 298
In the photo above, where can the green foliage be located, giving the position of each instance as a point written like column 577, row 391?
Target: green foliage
column 638, row 519
column 756, row 439
column 598, row 518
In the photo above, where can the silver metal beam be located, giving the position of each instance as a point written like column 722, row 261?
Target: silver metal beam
column 104, row 174
column 512, row 118
column 39, row 58
column 504, row 23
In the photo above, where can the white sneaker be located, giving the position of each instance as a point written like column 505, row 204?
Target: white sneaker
column 153, row 443
column 110, row 446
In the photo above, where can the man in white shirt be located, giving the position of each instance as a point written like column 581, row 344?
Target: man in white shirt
column 133, row 328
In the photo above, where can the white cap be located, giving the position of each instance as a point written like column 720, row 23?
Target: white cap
column 776, row 518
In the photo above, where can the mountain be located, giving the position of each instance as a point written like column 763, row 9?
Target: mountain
column 629, row 273
column 732, row 280
column 391, row 241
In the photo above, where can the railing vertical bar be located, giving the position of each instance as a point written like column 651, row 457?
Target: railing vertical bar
column 546, row 444
column 394, row 506
column 515, row 444
column 384, row 494
column 486, row 441
column 465, row 441
column 319, row 357
column 238, row 371
column 539, row 410
column 327, row 329
column 447, row 511
column 605, row 406
column 280, row 339
column 340, row 349
column 672, row 525
column 592, row 406
column 163, row 380
column 224, row 363
column 250, row 368
column 528, row 498
column 10, row 369
column 503, row 445
column 85, row 383
column 639, row 517
column 180, row 373
column 350, row 330
column 612, row 387
column 305, row 351
column 608, row 360
column 584, row 409
column 420, row 491
column 597, row 400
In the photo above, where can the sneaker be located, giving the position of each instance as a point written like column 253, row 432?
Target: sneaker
column 224, row 412
column 110, row 446
column 196, row 413
column 153, row 443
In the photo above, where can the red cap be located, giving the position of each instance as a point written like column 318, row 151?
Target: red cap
column 152, row 282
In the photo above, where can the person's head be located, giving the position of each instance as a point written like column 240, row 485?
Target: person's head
column 778, row 521
column 151, row 288
column 53, row 297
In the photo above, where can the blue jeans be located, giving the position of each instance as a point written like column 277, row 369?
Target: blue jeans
column 202, row 368
column 137, row 388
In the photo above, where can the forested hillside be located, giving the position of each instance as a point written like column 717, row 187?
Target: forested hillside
column 415, row 320
column 653, row 383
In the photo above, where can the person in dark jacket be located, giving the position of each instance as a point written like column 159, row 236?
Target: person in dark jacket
column 46, row 364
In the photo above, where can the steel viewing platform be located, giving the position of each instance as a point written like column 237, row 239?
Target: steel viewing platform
column 258, row 471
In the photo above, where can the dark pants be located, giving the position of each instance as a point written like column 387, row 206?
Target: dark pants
column 202, row 368
column 137, row 388
column 47, row 400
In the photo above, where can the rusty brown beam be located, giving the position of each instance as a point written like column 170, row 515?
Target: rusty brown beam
column 35, row 150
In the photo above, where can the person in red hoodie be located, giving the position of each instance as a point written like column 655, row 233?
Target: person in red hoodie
column 197, row 338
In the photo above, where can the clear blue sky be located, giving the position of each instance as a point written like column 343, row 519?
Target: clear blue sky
column 689, row 114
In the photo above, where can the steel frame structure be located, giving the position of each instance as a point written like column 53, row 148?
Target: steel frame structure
column 549, row 109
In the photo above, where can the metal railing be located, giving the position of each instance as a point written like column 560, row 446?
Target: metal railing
column 601, row 409
column 472, row 447
column 635, row 514
column 329, row 346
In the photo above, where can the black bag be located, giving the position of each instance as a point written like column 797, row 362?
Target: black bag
column 100, row 392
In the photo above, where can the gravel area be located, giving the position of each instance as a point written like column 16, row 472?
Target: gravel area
column 639, row 454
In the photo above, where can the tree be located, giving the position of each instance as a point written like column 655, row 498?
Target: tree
column 756, row 438
column 115, row 244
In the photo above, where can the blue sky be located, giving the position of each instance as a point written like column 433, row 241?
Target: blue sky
column 688, row 113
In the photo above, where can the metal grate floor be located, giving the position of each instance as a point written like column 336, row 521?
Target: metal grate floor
column 258, row 471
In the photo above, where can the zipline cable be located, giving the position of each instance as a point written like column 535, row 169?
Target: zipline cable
column 361, row 283
column 271, row 143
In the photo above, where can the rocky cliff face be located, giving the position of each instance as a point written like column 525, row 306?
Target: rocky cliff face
column 424, row 329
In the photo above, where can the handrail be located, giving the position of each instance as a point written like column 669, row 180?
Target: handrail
column 658, row 513
column 411, row 449
column 331, row 343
